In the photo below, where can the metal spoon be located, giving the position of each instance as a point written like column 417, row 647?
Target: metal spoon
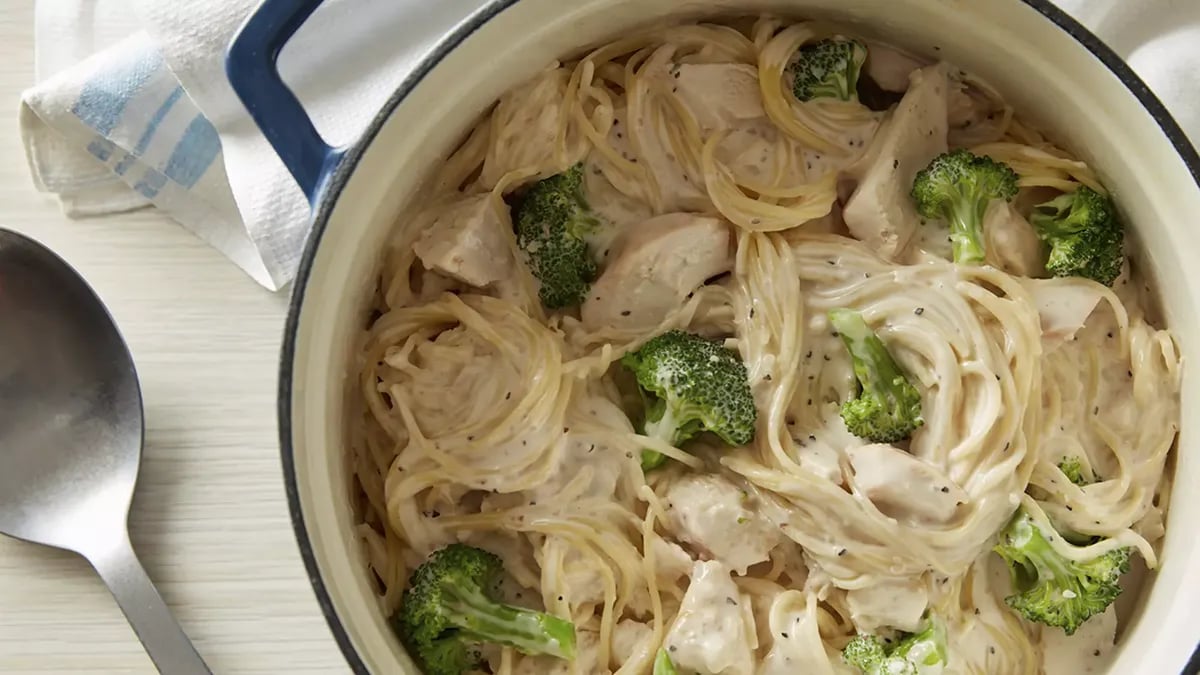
column 71, row 435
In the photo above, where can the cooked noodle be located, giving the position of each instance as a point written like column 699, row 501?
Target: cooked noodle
column 482, row 418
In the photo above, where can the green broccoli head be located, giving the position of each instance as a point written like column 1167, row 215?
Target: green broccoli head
column 1075, row 471
column 957, row 187
column 915, row 654
column 828, row 69
column 1053, row 589
column 1085, row 235
column 865, row 652
column 551, row 220
column 888, row 407
column 448, row 611
column 663, row 664
column 691, row 384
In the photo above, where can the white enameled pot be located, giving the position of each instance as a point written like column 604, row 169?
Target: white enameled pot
column 1044, row 63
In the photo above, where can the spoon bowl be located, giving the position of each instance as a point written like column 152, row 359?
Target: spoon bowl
column 71, row 434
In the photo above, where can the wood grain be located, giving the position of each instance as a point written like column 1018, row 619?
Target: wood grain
column 209, row 519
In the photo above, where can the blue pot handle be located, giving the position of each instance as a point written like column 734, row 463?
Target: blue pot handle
column 251, row 64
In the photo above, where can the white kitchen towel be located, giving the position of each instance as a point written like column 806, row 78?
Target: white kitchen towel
column 132, row 106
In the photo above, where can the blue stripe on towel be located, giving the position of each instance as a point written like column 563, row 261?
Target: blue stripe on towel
column 101, row 148
column 150, row 184
column 156, row 119
column 194, row 153
column 148, row 133
column 104, row 97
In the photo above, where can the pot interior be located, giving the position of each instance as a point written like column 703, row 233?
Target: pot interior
column 1044, row 72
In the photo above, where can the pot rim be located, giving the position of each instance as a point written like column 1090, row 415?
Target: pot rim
column 328, row 197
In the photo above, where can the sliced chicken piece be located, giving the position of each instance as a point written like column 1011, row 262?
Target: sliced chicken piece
column 890, row 67
column 974, row 117
column 713, row 515
column 617, row 211
column 1011, row 242
column 628, row 637
column 467, row 241
column 904, row 487
column 656, row 265
column 671, row 560
column 1087, row 652
column 1064, row 305
column 895, row 604
column 427, row 285
column 719, row 95
column 713, row 632
column 880, row 212
column 531, row 113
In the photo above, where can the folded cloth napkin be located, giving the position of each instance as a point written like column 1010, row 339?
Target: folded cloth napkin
column 132, row 107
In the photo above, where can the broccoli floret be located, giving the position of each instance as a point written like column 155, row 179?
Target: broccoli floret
column 887, row 409
column 551, row 220
column 691, row 384
column 957, row 187
column 448, row 611
column 1085, row 235
column 1073, row 468
column 915, row 654
column 865, row 652
column 663, row 664
column 828, row 69
column 1053, row 589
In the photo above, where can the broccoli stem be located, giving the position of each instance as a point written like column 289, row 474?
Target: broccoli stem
column 874, row 367
column 665, row 429
column 1039, row 553
column 663, row 664
column 486, row 620
column 966, row 231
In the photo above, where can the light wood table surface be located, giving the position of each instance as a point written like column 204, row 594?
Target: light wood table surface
column 210, row 518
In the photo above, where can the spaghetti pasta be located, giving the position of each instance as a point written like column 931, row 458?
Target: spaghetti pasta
column 481, row 417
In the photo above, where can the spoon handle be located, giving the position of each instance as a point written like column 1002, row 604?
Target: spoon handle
column 165, row 642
